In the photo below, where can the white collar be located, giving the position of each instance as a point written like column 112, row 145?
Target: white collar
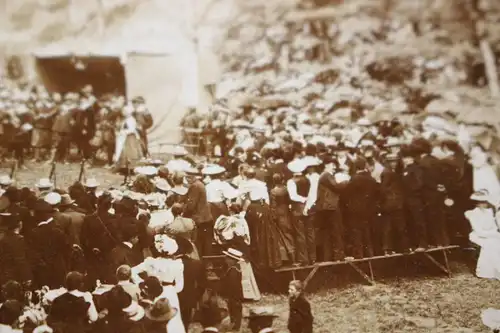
column 124, row 283
column 211, row 329
column 266, row 330
column 76, row 293
column 46, row 222
column 128, row 244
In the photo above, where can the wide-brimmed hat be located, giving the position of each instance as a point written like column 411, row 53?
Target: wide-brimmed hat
column 297, row 166
column 179, row 151
column 5, row 180
column 44, row 183
column 162, row 185
column 91, row 183
column 213, row 169
column 66, row 200
column 161, row 311
column 234, row 254
column 193, row 171
column 146, row 170
column 260, row 312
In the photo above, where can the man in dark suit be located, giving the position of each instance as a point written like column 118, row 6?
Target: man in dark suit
column 198, row 209
column 394, row 231
column 49, row 249
column 434, row 193
column 361, row 196
column 14, row 263
column 126, row 253
column 329, row 216
column 98, row 237
column 412, row 182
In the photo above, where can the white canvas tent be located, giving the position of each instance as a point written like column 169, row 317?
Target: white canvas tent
column 166, row 77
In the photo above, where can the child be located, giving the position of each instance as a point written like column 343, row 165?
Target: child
column 231, row 287
column 300, row 319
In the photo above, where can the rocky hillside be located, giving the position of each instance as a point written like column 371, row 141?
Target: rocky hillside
column 377, row 58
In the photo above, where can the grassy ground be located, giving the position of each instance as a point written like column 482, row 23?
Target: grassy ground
column 421, row 302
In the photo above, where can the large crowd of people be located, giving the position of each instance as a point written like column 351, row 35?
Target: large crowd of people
column 268, row 187
column 46, row 126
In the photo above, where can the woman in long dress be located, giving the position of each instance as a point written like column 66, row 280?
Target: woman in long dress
column 170, row 272
column 264, row 247
column 128, row 144
column 485, row 233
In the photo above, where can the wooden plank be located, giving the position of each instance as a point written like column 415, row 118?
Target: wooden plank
column 437, row 263
column 310, row 276
column 360, row 271
column 343, row 262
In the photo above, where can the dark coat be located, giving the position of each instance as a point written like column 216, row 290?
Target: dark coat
column 301, row 318
column 197, row 207
column 98, row 232
column 432, row 176
column 391, row 188
column 124, row 255
column 69, row 313
column 50, row 252
column 413, row 182
column 362, row 195
column 76, row 218
column 328, row 192
column 231, row 287
column 14, row 263
column 63, row 222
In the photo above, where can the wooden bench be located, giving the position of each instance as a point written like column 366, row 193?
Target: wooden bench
column 368, row 275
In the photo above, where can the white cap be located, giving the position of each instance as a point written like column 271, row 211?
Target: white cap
column 146, row 170
column 213, row 169
column 53, row 198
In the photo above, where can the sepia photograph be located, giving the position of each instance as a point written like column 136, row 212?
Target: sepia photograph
column 279, row 166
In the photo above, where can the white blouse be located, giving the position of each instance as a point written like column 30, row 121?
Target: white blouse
column 165, row 269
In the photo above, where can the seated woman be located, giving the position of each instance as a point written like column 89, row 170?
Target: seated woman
column 485, row 234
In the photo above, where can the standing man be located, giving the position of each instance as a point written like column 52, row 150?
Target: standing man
column 361, row 195
column 298, row 188
column 198, row 209
column 329, row 215
column 84, row 119
column 434, row 193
